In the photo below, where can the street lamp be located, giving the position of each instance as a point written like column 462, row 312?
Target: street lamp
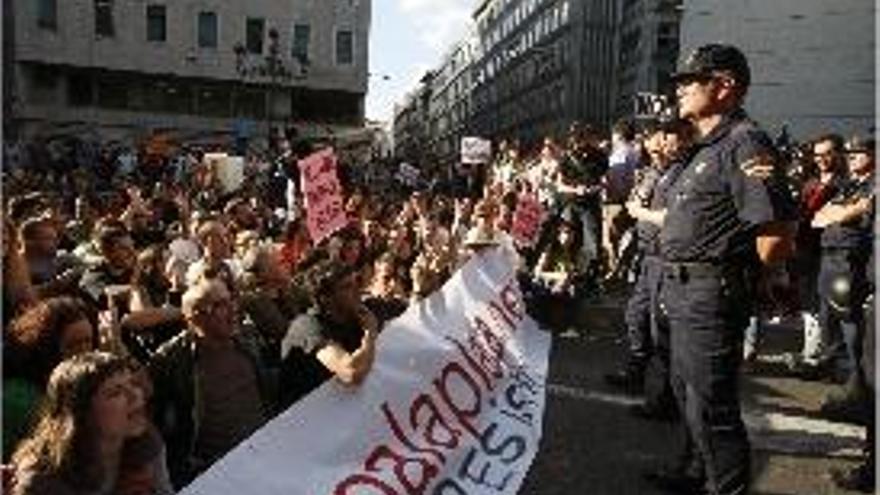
column 271, row 67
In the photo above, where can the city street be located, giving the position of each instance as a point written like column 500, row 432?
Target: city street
column 592, row 445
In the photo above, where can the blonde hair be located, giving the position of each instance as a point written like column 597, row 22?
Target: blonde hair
column 196, row 293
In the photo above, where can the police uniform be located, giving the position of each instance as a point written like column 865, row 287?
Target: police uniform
column 842, row 279
column 638, row 308
column 657, row 390
column 707, row 245
column 643, row 335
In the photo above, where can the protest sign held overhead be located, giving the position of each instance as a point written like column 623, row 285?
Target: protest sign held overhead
column 407, row 174
column 527, row 220
column 454, row 404
column 325, row 209
column 475, row 150
column 229, row 170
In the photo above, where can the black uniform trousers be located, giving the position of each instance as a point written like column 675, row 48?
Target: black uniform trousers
column 841, row 318
column 868, row 377
column 708, row 311
column 648, row 333
column 638, row 313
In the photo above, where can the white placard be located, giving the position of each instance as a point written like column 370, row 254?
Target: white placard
column 475, row 150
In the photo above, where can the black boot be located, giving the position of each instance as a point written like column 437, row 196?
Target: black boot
column 675, row 480
column 858, row 479
column 630, row 379
column 655, row 412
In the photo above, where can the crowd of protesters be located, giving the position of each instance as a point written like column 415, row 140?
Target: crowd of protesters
column 160, row 319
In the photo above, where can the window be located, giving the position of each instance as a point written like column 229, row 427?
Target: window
column 167, row 96
column 112, row 91
column 155, row 23
column 104, row 18
column 214, row 101
column 254, row 34
column 207, row 30
column 79, row 89
column 47, row 14
column 44, row 77
column 344, row 47
column 301, row 34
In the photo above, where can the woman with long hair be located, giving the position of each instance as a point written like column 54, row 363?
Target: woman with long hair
column 36, row 341
column 92, row 431
column 560, row 270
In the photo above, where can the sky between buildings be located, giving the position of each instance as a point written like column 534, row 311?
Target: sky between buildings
column 407, row 38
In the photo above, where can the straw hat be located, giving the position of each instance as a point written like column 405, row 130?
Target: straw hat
column 480, row 237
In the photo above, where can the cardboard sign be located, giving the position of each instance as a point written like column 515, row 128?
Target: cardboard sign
column 527, row 220
column 231, row 173
column 325, row 208
column 453, row 404
column 407, row 174
column 475, row 150
column 229, row 170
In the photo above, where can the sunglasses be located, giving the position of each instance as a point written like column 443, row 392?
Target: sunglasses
column 694, row 78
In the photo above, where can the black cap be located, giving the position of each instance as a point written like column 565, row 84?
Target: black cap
column 712, row 58
column 861, row 144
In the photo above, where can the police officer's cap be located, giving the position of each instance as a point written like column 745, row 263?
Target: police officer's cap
column 861, row 144
column 711, row 58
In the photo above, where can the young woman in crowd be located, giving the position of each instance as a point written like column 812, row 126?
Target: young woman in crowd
column 560, row 269
column 93, row 435
column 36, row 342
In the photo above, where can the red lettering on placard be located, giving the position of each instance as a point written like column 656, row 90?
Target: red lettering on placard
column 463, row 413
column 403, row 467
column 361, row 481
column 394, row 424
column 437, row 430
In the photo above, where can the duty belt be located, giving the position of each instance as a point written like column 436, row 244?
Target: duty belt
column 840, row 250
column 686, row 270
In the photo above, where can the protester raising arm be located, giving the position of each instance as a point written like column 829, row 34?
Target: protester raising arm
column 334, row 338
column 352, row 368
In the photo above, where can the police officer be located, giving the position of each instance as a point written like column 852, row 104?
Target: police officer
column 846, row 245
column 646, row 202
column 637, row 316
column 726, row 212
column 659, row 401
column 861, row 477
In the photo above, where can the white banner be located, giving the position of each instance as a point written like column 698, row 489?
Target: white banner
column 475, row 150
column 453, row 406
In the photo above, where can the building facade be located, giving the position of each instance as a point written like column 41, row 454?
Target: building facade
column 450, row 104
column 535, row 66
column 542, row 64
column 648, row 40
column 812, row 61
column 412, row 124
column 189, row 67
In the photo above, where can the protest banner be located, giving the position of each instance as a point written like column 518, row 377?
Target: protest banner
column 407, row 174
column 453, row 405
column 325, row 209
column 475, row 150
column 527, row 220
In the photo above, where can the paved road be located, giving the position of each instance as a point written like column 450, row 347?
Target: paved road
column 592, row 446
